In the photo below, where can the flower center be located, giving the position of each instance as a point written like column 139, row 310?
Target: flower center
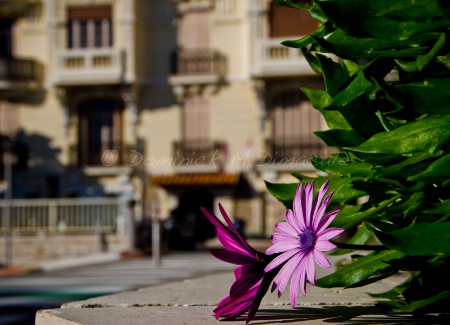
column 307, row 240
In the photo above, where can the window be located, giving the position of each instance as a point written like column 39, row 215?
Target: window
column 286, row 22
column 196, row 143
column 5, row 38
column 193, row 30
column 294, row 121
column 89, row 27
column 100, row 129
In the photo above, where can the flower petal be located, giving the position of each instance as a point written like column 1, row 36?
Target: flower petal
column 232, row 257
column 233, row 228
column 330, row 233
column 307, row 200
column 321, row 259
column 296, row 223
column 324, row 245
column 320, row 212
column 281, row 247
column 324, row 223
column 283, row 238
column 296, row 281
column 245, row 283
column 318, row 201
column 297, row 204
column 280, row 259
column 310, row 269
column 286, row 271
column 286, row 229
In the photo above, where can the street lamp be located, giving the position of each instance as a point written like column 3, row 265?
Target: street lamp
column 7, row 165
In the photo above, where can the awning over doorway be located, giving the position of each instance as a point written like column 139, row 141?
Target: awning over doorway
column 220, row 179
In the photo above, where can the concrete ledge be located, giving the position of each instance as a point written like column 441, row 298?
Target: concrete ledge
column 201, row 315
column 192, row 301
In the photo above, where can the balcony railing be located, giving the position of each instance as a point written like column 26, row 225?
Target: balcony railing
column 18, row 69
column 68, row 216
column 274, row 59
column 90, row 66
column 295, row 151
column 198, row 62
column 107, row 154
column 197, row 152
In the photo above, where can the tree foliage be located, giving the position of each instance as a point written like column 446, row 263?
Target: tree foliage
column 386, row 69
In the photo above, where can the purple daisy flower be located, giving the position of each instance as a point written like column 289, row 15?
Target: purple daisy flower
column 251, row 282
column 302, row 239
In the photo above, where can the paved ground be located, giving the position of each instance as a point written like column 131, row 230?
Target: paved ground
column 192, row 302
column 22, row 295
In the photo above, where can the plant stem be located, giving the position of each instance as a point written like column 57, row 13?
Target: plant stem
column 360, row 247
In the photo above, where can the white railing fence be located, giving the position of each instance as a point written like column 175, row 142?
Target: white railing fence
column 61, row 216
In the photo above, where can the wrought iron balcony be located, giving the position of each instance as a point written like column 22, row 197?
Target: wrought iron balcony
column 197, row 66
column 294, row 151
column 276, row 60
column 108, row 154
column 18, row 75
column 90, row 66
column 198, row 152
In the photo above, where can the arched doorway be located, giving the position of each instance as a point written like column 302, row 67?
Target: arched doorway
column 100, row 129
column 192, row 225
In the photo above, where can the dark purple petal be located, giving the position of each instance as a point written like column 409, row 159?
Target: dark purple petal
column 230, row 244
column 232, row 257
column 249, row 249
column 263, row 287
column 240, row 286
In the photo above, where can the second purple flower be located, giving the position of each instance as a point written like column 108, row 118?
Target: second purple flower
column 302, row 239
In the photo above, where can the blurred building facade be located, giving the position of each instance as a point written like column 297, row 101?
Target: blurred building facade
column 174, row 104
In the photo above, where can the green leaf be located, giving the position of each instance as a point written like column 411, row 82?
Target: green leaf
column 422, row 60
column 428, row 96
column 291, row 4
column 438, row 171
column 320, row 99
column 340, row 138
column 360, row 270
column 322, row 31
column 284, row 193
column 420, row 238
column 427, row 135
column 372, row 48
column 389, row 19
column 335, row 75
column 349, row 217
column 339, row 164
column 442, row 207
column 414, row 158
column 361, row 237
column 417, row 305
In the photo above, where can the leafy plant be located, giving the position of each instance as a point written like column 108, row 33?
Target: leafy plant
column 386, row 69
